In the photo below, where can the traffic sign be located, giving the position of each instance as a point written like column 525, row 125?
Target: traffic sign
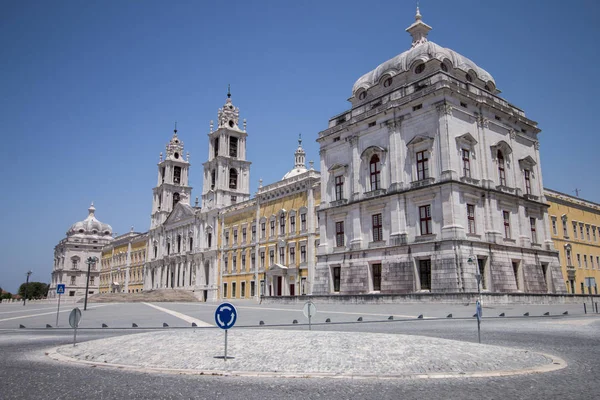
column 225, row 316
column 60, row 288
column 75, row 317
column 309, row 309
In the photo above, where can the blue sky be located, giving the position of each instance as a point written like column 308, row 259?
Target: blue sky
column 91, row 91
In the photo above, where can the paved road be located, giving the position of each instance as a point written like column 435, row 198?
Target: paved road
column 26, row 373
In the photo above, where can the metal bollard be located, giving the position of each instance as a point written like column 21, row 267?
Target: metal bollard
column 596, row 307
column 584, row 309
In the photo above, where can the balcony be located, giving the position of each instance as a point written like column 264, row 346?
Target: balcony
column 505, row 189
column 469, row 180
column 421, row 183
column 531, row 197
column 375, row 193
column 338, row 203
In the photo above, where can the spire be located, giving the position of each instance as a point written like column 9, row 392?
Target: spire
column 418, row 30
column 175, row 130
column 228, row 91
column 91, row 210
column 300, row 155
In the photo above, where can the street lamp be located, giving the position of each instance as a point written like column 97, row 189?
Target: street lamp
column 26, row 285
column 90, row 261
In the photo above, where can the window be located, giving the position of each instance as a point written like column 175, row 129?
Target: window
column 73, row 280
column 466, row 160
column 226, row 238
column 292, row 224
column 339, row 234
column 233, row 285
column 471, row 218
column 592, row 261
column 216, row 147
column 418, row 106
column 75, row 261
column 92, row 280
column 243, row 290
column 375, row 171
column 191, row 243
column 564, row 224
column 506, row 217
column 235, row 236
column 225, row 289
column 282, row 224
column 175, row 199
column 213, row 178
column 377, row 227
column 574, row 230
column 422, row 165
column 262, row 259
column 177, row 175
column 253, row 233
column 587, row 231
column 252, row 289
column 226, row 260
column 527, row 182
column 303, row 222
column 579, row 260
column 464, row 105
column 420, row 68
column 244, row 235
column 243, row 266
column 501, row 171
column 252, row 261
column 233, row 199
column 272, row 227
column 282, row 255
column 233, row 146
column 233, row 175
column 339, row 187
column 532, row 223
column 168, row 248
column 594, row 233
column 585, row 264
column 425, row 274
column 376, row 270
column 568, row 255
column 263, row 229
column 292, row 255
column 425, row 219
column 271, row 257
column 554, row 227
column 179, row 243
column 303, row 253
column 581, row 231
column 336, row 272
column 209, row 239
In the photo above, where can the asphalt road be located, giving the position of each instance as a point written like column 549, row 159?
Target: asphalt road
column 26, row 373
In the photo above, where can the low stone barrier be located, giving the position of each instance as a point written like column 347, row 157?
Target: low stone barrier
column 443, row 298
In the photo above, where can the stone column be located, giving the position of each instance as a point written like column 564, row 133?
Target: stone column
column 444, row 110
column 354, row 168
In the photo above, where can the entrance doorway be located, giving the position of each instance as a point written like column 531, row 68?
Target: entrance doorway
column 292, row 293
column 279, row 285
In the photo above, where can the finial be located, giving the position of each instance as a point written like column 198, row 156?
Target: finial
column 91, row 209
column 228, row 91
column 418, row 30
column 175, row 130
column 312, row 164
column 244, row 124
column 299, row 140
column 188, row 156
column 418, row 16
column 131, row 228
column 196, row 203
column 160, row 156
column 260, row 183
column 211, row 125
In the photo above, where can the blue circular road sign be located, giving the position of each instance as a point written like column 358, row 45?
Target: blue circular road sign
column 225, row 315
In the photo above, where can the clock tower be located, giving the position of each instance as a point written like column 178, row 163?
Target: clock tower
column 226, row 173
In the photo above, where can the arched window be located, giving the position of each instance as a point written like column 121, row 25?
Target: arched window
column 501, row 170
column 179, row 243
column 233, row 146
column 177, row 175
column 213, row 178
column 375, row 170
column 216, row 146
column 175, row 199
column 233, row 178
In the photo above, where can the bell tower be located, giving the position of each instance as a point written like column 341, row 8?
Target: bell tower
column 173, row 181
column 226, row 173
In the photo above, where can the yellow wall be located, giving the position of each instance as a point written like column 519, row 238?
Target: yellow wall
column 582, row 248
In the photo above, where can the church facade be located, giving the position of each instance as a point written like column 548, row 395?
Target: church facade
column 431, row 182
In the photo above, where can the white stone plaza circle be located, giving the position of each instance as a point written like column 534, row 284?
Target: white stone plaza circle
column 294, row 353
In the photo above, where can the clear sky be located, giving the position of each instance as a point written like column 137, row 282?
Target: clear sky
column 90, row 91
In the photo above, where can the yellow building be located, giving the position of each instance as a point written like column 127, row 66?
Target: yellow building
column 267, row 245
column 575, row 230
column 122, row 264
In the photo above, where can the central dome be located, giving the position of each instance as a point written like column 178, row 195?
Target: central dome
column 90, row 226
column 422, row 51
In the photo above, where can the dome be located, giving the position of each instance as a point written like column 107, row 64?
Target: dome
column 422, row 50
column 90, row 226
column 294, row 172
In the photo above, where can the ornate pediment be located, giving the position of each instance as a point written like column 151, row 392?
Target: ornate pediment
column 420, row 140
column 467, row 139
column 369, row 151
column 527, row 162
column 502, row 146
column 180, row 212
column 337, row 166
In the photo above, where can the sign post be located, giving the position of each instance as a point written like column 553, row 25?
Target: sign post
column 590, row 282
column 74, row 319
column 60, row 289
column 478, row 312
column 309, row 311
column 225, row 317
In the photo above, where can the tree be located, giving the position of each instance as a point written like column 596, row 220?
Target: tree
column 35, row 290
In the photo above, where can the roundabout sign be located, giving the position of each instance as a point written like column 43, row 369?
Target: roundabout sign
column 225, row 316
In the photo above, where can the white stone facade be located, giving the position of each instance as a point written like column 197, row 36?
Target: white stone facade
column 429, row 177
column 84, row 239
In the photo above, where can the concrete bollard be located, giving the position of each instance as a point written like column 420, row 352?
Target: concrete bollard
column 48, row 326
column 21, row 326
column 328, row 320
column 104, row 325
column 134, row 325
column 566, row 313
column 547, row 313
column 165, row 325
column 295, row 321
column 449, row 316
column 502, row 315
column 359, row 319
column 194, row 324
column 526, row 314
column 261, row 323
column 391, row 317
column 420, row 316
